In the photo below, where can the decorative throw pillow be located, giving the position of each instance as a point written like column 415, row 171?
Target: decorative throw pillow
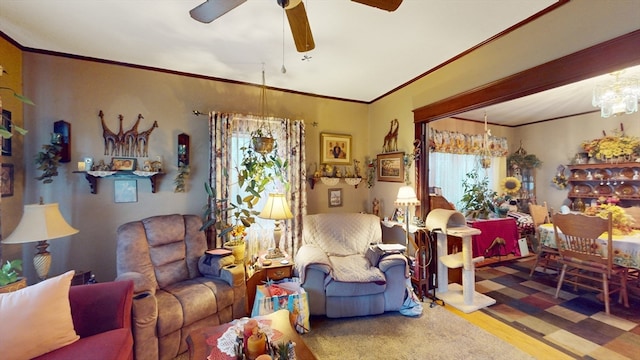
column 36, row 319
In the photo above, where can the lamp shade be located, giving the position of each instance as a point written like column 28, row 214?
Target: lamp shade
column 276, row 208
column 407, row 196
column 39, row 223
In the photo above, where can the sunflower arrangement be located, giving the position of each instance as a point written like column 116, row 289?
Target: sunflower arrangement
column 510, row 185
column 621, row 220
column 612, row 146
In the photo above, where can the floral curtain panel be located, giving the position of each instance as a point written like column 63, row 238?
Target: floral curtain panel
column 291, row 146
column 454, row 142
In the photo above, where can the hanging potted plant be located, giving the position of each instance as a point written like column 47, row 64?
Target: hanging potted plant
column 262, row 140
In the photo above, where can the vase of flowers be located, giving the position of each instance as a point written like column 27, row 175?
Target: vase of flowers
column 236, row 243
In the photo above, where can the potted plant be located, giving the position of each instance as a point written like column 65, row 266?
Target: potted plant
column 477, row 200
column 9, row 279
column 48, row 161
column 262, row 140
column 255, row 172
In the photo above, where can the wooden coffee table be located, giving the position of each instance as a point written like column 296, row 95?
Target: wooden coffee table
column 202, row 342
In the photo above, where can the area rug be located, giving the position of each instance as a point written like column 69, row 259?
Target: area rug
column 436, row 334
column 575, row 323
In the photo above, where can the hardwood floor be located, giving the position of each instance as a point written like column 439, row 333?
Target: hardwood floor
column 526, row 343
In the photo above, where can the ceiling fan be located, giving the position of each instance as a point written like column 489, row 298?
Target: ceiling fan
column 296, row 14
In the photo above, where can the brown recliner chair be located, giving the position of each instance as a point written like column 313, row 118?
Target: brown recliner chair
column 172, row 297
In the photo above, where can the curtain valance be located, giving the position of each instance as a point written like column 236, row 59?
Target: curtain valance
column 455, row 142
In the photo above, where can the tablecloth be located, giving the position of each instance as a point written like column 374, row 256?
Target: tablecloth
column 505, row 228
column 626, row 248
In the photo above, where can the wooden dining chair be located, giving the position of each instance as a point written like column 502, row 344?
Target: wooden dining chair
column 540, row 215
column 581, row 256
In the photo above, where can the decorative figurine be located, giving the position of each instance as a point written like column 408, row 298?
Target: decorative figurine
column 376, row 207
column 391, row 139
column 356, row 168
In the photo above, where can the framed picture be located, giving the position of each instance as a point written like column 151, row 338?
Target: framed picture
column 335, row 197
column 6, row 142
column 125, row 191
column 391, row 167
column 123, row 164
column 6, row 180
column 335, row 149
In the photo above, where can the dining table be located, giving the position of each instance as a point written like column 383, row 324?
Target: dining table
column 626, row 248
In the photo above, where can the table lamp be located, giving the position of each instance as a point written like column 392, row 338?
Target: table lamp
column 276, row 209
column 406, row 197
column 40, row 222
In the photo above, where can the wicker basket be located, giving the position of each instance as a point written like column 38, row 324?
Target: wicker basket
column 16, row 285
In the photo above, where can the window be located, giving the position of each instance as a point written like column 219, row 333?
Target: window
column 447, row 171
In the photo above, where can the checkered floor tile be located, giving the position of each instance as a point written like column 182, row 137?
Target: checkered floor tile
column 574, row 323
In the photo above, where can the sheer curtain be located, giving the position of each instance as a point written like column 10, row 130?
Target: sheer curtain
column 228, row 133
column 447, row 171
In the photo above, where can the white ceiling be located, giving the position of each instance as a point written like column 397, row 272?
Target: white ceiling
column 571, row 99
column 361, row 52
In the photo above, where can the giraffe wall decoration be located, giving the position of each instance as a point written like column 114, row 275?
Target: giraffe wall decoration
column 126, row 143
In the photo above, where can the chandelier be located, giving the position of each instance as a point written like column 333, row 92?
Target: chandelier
column 618, row 96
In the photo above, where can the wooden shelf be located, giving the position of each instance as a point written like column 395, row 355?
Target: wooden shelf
column 93, row 179
column 332, row 181
column 591, row 181
column 604, row 166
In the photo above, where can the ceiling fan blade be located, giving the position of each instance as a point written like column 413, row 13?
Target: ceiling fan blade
column 389, row 5
column 213, row 9
column 300, row 29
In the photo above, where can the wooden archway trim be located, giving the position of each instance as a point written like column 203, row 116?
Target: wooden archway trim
column 615, row 54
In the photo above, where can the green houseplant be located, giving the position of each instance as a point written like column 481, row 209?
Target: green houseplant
column 9, row 276
column 477, row 201
column 255, row 172
column 48, row 161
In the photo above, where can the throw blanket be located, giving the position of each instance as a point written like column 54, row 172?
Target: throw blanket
column 356, row 269
column 309, row 255
column 351, row 268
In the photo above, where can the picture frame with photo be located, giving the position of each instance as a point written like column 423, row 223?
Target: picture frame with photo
column 123, row 164
column 335, row 198
column 391, row 167
column 125, row 191
column 6, row 175
column 335, row 149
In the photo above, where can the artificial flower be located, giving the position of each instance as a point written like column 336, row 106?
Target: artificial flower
column 560, row 180
column 612, row 146
column 621, row 220
column 510, row 185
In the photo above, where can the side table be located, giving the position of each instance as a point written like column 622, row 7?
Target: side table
column 276, row 271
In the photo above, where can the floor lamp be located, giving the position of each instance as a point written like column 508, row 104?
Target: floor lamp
column 276, row 209
column 39, row 223
column 406, row 197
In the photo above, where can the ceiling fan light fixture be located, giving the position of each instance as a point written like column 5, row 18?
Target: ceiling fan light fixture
column 617, row 97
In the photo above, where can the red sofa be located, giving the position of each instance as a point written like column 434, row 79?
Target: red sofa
column 102, row 318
